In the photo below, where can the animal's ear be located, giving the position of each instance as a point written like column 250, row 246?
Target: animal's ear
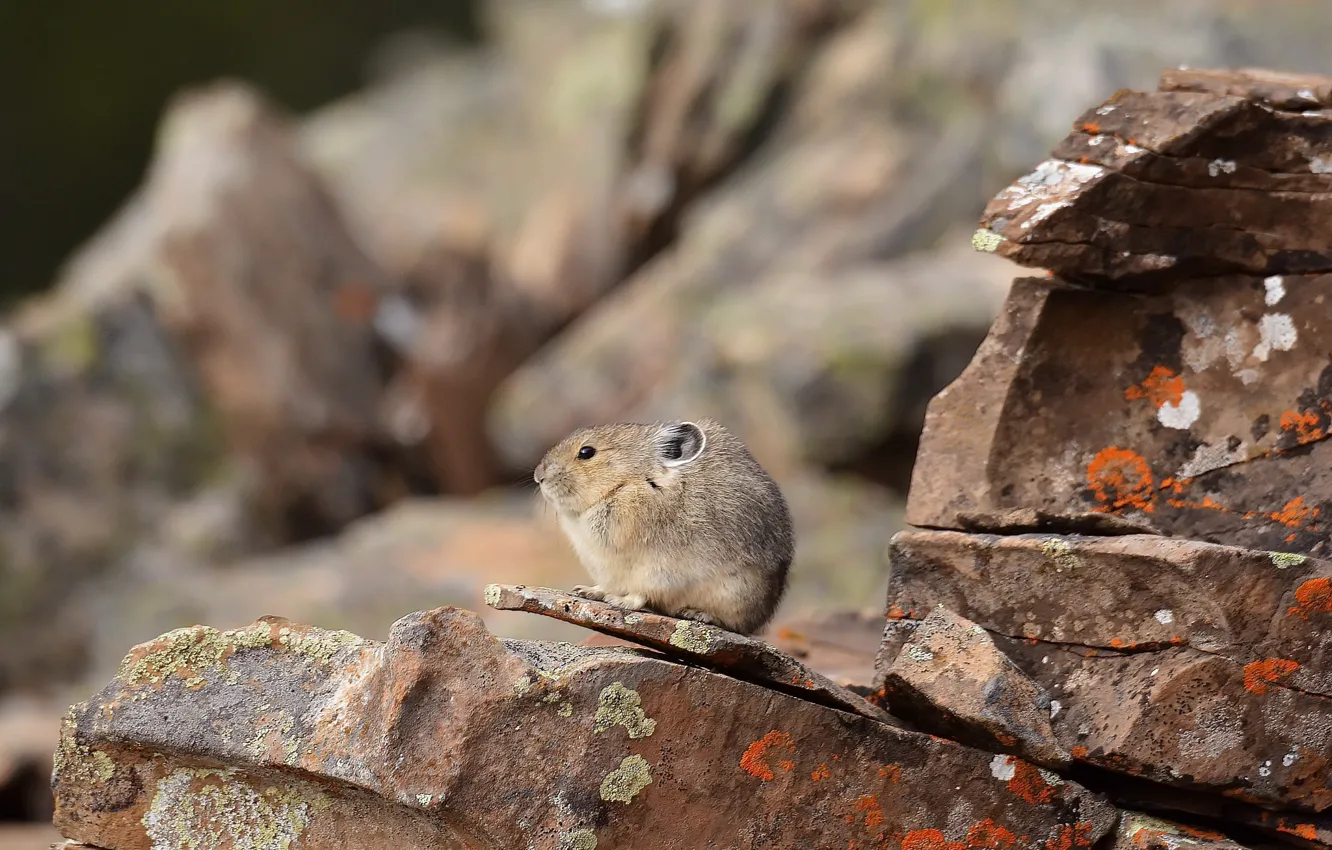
column 680, row 443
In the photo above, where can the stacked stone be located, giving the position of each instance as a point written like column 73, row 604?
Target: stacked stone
column 1129, row 490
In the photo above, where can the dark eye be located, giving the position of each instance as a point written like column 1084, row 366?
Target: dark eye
column 586, row 453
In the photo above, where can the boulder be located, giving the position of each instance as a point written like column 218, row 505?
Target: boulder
column 446, row 736
column 1164, row 660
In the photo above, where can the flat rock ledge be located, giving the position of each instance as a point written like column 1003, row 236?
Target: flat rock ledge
column 445, row 736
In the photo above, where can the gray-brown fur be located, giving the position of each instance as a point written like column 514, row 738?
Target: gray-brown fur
column 706, row 537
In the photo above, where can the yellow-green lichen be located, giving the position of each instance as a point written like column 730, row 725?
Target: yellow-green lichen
column 692, row 636
column 197, row 653
column 579, row 839
column 194, row 809
column 492, row 595
column 623, row 783
column 620, row 706
column 257, row 746
column 986, row 240
column 74, row 762
column 1060, row 554
column 565, row 710
column 1284, row 560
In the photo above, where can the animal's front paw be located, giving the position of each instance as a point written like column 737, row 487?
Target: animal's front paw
column 697, row 616
column 593, row 592
column 633, row 601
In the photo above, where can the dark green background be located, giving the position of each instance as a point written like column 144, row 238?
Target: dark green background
column 84, row 83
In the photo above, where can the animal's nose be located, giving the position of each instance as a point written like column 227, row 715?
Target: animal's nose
column 540, row 473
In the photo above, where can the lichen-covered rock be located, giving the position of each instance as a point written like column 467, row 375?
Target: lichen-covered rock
column 711, row 646
column 949, row 678
column 1178, row 183
column 1198, row 410
column 1195, row 666
column 449, row 737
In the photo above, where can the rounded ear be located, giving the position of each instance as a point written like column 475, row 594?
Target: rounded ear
column 680, row 443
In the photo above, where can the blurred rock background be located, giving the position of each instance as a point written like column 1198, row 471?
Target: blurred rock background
column 355, row 270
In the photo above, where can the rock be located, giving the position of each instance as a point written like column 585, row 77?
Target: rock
column 950, row 678
column 1195, row 666
column 738, row 655
column 1137, row 831
column 257, row 277
column 1174, row 185
column 1199, row 411
column 446, row 735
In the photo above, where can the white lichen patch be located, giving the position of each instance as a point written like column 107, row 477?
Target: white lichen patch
column 623, row 783
column 1289, row 758
column 1055, row 706
column 1221, row 166
column 1285, row 560
column 1180, row 416
column 1276, row 332
column 1208, row 457
column 918, row 653
column 196, row 809
column 1003, row 768
column 1164, row 616
column 1106, row 110
column 1157, row 261
column 1318, row 165
column 1043, row 212
column 1052, row 181
column 632, row 619
column 1265, row 769
column 986, row 240
column 692, row 636
column 492, row 595
column 620, row 706
column 1275, row 290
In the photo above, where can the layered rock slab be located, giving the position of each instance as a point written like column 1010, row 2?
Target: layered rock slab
column 1196, row 666
column 951, row 679
column 742, row 656
column 1228, row 178
column 446, row 736
column 1201, row 409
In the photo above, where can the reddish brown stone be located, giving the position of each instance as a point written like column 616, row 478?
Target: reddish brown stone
column 1201, row 411
column 949, row 678
column 1192, row 665
column 1154, row 185
column 449, row 737
column 739, row 655
column 1292, row 92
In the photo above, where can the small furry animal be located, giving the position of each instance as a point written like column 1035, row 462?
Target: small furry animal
column 677, row 518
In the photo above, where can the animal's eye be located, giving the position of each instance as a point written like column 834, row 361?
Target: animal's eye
column 586, row 452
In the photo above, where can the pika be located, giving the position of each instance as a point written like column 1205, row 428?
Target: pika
column 674, row 517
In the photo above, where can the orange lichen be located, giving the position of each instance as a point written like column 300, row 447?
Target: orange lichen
column 1028, row 784
column 891, row 772
column 788, row 633
column 1304, row 425
column 868, row 805
column 1118, row 479
column 990, row 835
column 1314, row 597
column 1071, row 836
column 1295, row 514
column 1307, row 831
column 1161, row 387
column 1259, row 674
column 929, row 839
column 895, row 613
column 1079, row 752
column 1092, row 127
column 820, row 773
column 755, row 759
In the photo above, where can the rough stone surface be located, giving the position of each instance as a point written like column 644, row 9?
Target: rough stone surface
column 1146, row 423
column 1177, row 183
column 738, row 655
column 950, row 678
column 1192, row 665
column 448, row 737
column 1138, row 831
